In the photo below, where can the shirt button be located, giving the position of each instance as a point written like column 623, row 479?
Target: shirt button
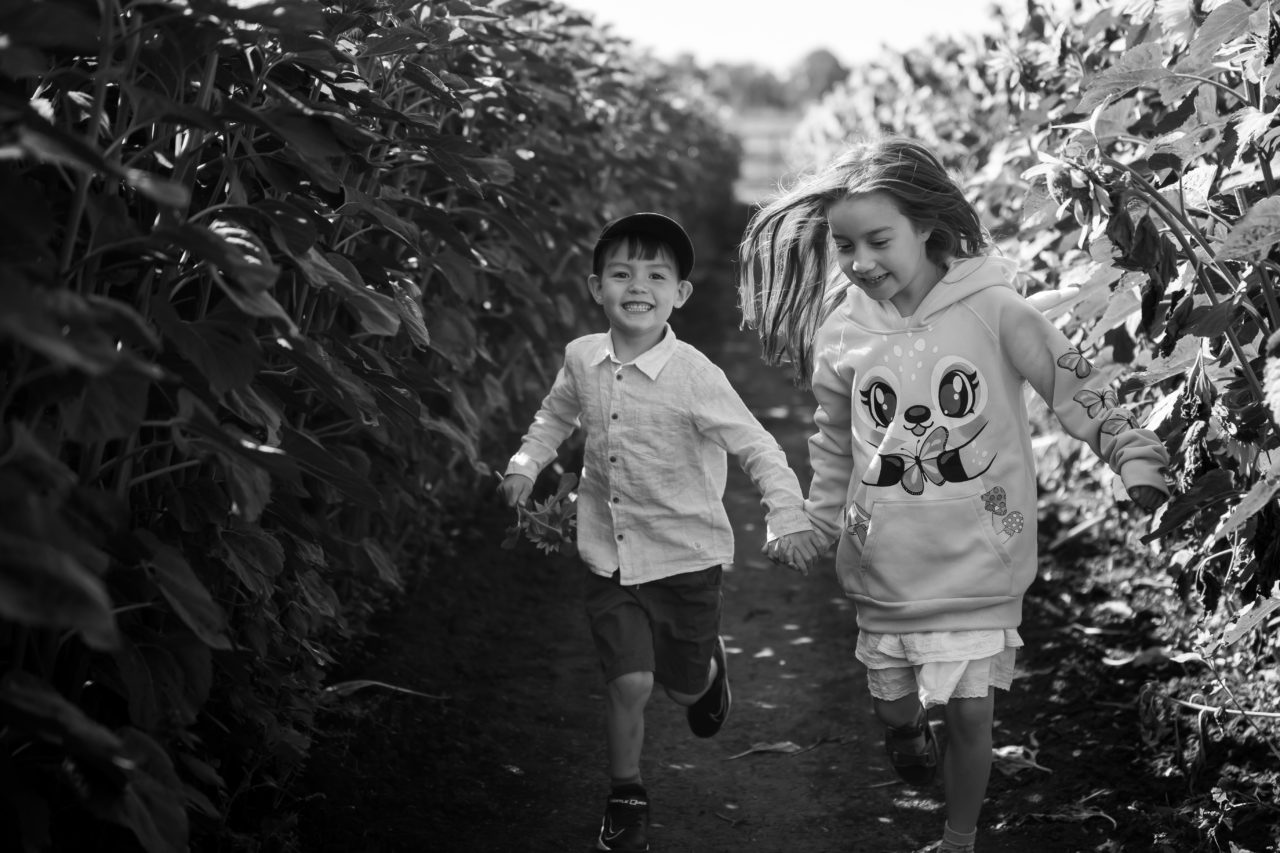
column 613, row 459
column 615, row 416
column 615, row 500
column 619, row 537
column 617, row 376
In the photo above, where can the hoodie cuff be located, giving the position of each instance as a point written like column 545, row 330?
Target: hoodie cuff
column 1141, row 473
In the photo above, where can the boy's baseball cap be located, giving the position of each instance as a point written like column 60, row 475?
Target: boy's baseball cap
column 654, row 226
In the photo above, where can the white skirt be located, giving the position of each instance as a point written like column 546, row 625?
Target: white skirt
column 938, row 665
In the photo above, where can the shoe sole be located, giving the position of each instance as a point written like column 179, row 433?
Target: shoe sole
column 723, row 678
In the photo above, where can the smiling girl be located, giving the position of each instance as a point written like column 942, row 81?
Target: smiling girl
column 872, row 278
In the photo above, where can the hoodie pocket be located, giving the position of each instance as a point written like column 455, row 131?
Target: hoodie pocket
column 937, row 549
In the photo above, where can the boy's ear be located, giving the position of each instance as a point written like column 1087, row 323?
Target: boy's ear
column 683, row 291
column 593, row 285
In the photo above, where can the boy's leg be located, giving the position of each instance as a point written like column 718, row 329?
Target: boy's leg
column 625, row 699
column 690, row 656
column 908, row 740
column 966, row 767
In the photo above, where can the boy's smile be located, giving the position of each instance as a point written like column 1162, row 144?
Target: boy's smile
column 638, row 295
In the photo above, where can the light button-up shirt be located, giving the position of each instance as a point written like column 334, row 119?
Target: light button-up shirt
column 658, row 430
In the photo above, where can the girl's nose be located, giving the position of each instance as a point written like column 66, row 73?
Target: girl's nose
column 861, row 263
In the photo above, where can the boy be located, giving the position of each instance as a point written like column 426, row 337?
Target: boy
column 652, row 529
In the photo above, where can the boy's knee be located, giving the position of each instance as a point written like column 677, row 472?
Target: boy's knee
column 632, row 686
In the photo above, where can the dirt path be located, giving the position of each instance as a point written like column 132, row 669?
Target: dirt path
column 513, row 758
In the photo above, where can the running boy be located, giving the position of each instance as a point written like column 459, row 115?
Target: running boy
column 652, row 529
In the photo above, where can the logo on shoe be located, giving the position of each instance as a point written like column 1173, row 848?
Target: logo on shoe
column 630, row 802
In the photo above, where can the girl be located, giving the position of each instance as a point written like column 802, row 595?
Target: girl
column 923, row 469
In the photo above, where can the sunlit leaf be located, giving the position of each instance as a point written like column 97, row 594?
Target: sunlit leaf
column 1255, row 233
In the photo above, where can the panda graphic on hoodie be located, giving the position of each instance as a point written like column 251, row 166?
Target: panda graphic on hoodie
column 923, row 463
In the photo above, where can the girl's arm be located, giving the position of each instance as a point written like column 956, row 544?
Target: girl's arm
column 831, row 448
column 1084, row 404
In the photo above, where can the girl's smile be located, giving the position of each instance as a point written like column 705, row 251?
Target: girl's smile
column 882, row 251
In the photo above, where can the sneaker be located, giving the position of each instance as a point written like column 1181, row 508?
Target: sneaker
column 626, row 821
column 708, row 714
column 916, row 766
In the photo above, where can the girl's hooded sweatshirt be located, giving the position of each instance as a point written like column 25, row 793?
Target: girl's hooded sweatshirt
column 922, row 462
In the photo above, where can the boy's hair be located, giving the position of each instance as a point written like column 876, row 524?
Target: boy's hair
column 788, row 281
column 646, row 234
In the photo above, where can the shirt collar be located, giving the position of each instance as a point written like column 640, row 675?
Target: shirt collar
column 649, row 363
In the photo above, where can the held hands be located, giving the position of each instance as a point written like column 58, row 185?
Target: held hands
column 1148, row 498
column 515, row 489
column 795, row 550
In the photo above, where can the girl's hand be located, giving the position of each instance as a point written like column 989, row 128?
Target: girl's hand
column 796, row 550
column 515, row 489
column 1147, row 497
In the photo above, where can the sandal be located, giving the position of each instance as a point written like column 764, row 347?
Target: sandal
column 915, row 767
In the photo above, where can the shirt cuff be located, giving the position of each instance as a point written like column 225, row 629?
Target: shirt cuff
column 786, row 521
column 521, row 463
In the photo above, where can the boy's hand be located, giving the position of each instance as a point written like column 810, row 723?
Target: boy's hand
column 1147, row 497
column 515, row 489
column 797, row 550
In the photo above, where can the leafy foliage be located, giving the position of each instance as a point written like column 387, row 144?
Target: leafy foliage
column 272, row 273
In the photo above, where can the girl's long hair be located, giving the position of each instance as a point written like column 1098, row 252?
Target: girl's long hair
column 788, row 283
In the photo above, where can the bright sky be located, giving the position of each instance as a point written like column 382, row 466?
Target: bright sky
column 779, row 33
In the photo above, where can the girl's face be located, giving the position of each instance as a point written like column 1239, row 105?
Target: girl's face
column 882, row 251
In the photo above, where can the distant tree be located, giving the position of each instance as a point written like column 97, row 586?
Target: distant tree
column 814, row 76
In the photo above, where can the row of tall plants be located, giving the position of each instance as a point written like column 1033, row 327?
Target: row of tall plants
column 273, row 274
column 1125, row 153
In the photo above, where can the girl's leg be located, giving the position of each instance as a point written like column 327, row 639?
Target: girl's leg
column 625, row 699
column 966, row 766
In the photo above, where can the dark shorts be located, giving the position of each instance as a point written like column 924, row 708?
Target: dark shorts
column 668, row 627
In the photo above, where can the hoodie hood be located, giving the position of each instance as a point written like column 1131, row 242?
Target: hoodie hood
column 964, row 277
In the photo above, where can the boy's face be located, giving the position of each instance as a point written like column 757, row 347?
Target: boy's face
column 638, row 294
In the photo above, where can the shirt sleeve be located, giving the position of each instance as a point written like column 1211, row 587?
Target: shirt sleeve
column 831, row 447
column 557, row 418
column 1086, row 407
column 720, row 415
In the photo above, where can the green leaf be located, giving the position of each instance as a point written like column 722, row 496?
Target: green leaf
column 37, row 707
column 1213, row 488
column 1254, row 616
column 411, row 316
column 320, row 462
column 169, row 570
column 377, row 313
column 1255, row 501
column 255, row 556
column 1140, row 66
column 222, row 346
column 1225, row 24
column 111, row 406
column 452, row 335
column 43, row 586
column 153, row 804
column 1253, row 235
column 382, row 562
